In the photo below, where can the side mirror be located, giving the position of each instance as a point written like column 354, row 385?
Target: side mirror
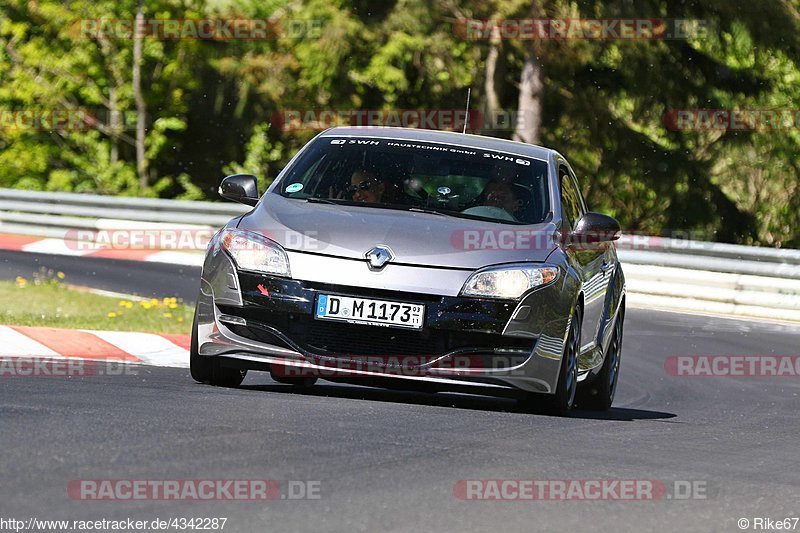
column 595, row 228
column 242, row 188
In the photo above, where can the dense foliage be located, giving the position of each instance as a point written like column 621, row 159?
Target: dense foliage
column 214, row 106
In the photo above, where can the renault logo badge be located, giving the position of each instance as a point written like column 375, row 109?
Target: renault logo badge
column 378, row 257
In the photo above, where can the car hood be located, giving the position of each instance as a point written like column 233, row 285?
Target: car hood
column 414, row 238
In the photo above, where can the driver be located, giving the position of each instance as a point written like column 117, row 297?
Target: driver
column 366, row 186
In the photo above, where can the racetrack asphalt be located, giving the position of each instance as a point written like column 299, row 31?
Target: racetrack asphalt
column 389, row 460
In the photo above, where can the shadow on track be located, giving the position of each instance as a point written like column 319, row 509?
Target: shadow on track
column 456, row 400
column 622, row 414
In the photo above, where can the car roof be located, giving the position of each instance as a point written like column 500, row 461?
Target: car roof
column 444, row 137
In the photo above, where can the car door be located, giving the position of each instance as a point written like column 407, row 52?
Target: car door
column 590, row 260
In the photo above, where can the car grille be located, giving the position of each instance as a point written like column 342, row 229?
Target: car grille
column 322, row 337
column 355, row 339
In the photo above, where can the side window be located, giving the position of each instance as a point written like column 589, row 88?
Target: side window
column 579, row 194
column 571, row 207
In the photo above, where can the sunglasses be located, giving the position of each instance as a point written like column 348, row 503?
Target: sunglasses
column 363, row 186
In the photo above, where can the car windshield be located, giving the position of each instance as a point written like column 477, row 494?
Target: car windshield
column 449, row 179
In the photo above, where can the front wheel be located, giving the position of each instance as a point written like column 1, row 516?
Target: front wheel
column 208, row 369
column 563, row 399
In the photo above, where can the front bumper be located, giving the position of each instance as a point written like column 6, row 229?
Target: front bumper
column 265, row 320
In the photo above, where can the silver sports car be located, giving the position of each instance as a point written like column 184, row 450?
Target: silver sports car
column 416, row 259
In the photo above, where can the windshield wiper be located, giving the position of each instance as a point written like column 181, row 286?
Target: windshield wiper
column 429, row 211
column 315, row 200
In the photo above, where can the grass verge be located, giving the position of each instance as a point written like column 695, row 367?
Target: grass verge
column 49, row 303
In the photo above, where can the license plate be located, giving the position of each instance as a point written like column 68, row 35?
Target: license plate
column 367, row 311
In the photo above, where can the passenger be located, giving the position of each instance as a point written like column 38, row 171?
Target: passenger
column 505, row 195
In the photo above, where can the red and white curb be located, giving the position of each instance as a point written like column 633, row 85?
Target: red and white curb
column 57, row 246
column 119, row 346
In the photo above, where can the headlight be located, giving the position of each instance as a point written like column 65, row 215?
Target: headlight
column 252, row 251
column 510, row 281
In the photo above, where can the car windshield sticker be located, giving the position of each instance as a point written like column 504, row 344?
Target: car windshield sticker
column 455, row 149
column 294, row 187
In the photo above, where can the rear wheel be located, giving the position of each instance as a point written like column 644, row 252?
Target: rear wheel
column 208, row 369
column 599, row 395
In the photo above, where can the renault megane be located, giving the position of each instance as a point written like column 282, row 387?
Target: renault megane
column 412, row 257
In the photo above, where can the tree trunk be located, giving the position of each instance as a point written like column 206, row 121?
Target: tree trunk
column 492, row 119
column 529, row 109
column 141, row 107
column 113, row 121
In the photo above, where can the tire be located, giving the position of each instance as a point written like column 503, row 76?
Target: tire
column 599, row 395
column 208, row 369
column 562, row 401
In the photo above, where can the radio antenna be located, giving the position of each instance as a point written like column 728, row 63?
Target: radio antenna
column 466, row 118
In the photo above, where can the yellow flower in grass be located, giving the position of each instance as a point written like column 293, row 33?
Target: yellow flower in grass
column 167, row 315
column 173, row 306
column 180, row 319
column 61, row 275
column 112, row 314
column 21, row 281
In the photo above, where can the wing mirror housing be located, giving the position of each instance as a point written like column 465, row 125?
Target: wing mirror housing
column 242, row 188
column 593, row 229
